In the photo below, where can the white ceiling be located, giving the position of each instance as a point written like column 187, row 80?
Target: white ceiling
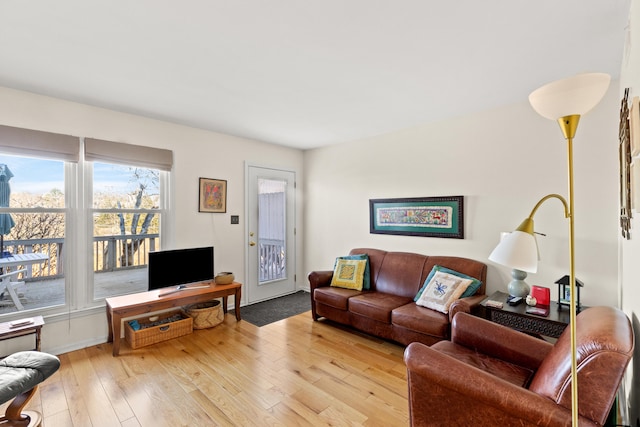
column 304, row 73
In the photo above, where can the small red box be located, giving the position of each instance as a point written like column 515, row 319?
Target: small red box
column 541, row 294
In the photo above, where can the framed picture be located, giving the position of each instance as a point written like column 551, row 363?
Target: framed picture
column 213, row 195
column 624, row 152
column 418, row 216
column 634, row 126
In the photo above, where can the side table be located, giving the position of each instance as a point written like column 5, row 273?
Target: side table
column 517, row 318
column 7, row 331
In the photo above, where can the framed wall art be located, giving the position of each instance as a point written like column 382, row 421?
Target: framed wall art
column 213, row 195
column 624, row 153
column 634, row 126
column 418, row 216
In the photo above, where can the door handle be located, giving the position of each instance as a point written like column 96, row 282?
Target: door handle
column 252, row 243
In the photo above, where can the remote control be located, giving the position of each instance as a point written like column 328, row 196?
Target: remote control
column 515, row 301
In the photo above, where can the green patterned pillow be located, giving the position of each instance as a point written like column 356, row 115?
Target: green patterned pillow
column 349, row 274
column 470, row 291
column 366, row 283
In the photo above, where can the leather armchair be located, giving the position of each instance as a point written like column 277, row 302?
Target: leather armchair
column 490, row 375
column 20, row 375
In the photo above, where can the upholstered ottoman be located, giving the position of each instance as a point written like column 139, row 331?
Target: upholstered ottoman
column 20, row 374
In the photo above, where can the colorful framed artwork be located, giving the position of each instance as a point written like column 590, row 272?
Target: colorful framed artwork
column 624, row 152
column 418, row 216
column 634, row 126
column 213, row 195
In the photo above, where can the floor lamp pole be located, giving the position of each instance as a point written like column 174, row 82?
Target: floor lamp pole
column 569, row 125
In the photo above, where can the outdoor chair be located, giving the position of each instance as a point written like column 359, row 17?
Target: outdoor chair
column 9, row 286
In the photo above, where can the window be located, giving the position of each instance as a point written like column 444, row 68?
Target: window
column 32, row 219
column 82, row 239
column 126, row 227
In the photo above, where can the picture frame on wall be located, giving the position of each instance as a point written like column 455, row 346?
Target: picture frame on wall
column 418, row 216
column 213, row 195
column 634, row 126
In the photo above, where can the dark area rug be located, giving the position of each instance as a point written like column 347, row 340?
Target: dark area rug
column 270, row 311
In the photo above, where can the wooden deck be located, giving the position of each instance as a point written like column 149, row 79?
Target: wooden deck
column 47, row 293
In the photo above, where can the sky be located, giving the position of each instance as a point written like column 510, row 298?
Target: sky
column 39, row 176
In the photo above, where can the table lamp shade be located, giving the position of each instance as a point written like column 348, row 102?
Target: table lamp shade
column 574, row 95
column 518, row 250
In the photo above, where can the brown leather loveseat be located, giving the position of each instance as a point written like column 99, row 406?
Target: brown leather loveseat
column 387, row 309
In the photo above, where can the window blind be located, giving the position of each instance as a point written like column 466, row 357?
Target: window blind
column 127, row 154
column 35, row 143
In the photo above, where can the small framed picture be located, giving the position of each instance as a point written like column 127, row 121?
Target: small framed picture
column 213, row 195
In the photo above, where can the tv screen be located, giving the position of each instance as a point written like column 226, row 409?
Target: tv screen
column 179, row 267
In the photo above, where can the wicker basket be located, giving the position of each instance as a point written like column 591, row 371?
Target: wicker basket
column 224, row 278
column 161, row 332
column 205, row 314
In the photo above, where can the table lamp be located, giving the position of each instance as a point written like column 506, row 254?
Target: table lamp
column 564, row 101
column 517, row 287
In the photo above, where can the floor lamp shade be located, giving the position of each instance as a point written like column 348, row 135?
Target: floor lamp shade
column 518, row 250
column 570, row 96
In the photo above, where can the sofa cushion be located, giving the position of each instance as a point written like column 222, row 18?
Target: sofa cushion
column 349, row 273
column 334, row 297
column 376, row 305
column 400, row 274
column 366, row 280
column 420, row 319
column 442, row 290
column 510, row 372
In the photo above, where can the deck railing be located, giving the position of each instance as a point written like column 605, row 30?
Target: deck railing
column 272, row 260
column 110, row 253
column 115, row 253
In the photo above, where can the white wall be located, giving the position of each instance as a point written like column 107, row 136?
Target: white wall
column 197, row 153
column 630, row 249
column 502, row 161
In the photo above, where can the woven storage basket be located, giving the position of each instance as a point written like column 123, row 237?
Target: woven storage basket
column 205, row 314
column 162, row 332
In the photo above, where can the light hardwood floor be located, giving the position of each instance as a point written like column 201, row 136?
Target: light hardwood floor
column 295, row 372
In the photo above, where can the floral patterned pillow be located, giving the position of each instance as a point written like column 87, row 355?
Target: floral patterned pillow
column 442, row 290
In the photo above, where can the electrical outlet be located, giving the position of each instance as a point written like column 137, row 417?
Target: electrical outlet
column 235, row 219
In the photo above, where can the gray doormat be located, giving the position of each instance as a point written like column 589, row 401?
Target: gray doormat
column 270, row 311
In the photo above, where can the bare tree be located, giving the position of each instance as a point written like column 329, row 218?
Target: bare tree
column 139, row 223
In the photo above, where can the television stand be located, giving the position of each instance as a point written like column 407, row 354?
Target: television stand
column 146, row 302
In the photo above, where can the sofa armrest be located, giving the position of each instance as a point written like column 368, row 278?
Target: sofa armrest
column 442, row 387
column 319, row 279
column 465, row 305
column 499, row 341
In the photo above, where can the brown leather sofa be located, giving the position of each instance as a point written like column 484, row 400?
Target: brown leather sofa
column 490, row 375
column 387, row 309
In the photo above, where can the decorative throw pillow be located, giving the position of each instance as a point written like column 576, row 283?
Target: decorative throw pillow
column 366, row 282
column 442, row 290
column 349, row 273
column 470, row 291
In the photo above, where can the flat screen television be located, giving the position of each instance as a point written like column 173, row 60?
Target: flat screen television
column 179, row 267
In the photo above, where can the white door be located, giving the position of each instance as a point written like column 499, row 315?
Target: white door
column 270, row 233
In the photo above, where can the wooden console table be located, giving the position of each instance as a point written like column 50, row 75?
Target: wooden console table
column 147, row 302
